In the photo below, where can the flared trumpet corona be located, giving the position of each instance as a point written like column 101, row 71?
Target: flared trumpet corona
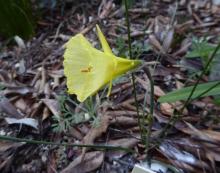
column 87, row 69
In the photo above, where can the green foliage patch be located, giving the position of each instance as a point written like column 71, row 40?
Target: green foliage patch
column 16, row 18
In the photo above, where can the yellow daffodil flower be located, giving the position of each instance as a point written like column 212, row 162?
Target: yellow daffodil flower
column 88, row 69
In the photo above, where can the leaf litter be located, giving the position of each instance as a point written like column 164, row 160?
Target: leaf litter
column 32, row 80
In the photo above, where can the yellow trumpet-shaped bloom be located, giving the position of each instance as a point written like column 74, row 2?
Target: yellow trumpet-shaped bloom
column 88, row 69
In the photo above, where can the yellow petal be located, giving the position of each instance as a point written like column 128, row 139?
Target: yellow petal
column 85, row 68
column 105, row 46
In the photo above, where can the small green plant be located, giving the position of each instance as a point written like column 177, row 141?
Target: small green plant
column 63, row 122
column 137, row 48
column 202, row 49
column 121, row 50
column 209, row 55
column 130, row 3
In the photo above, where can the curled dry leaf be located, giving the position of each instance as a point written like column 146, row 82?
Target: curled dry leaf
column 96, row 131
column 168, row 40
column 53, row 106
column 8, row 108
column 156, row 44
column 46, row 113
column 20, row 90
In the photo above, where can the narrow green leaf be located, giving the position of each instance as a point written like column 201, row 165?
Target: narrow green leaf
column 183, row 94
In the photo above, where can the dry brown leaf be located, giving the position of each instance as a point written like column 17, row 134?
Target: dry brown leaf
column 124, row 142
column 166, row 109
column 105, row 9
column 46, row 113
column 124, row 120
column 120, row 88
column 169, row 35
column 146, row 85
column 74, row 132
column 122, row 113
column 4, row 76
column 43, row 80
column 96, row 131
column 53, row 106
column 91, row 161
column 6, row 164
column 212, row 155
column 213, row 135
column 201, row 134
column 182, row 158
column 156, row 44
column 158, row 91
column 20, row 104
column 8, row 108
column 47, row 90
column 6, row 150
column 23, row 90
column 4, row 146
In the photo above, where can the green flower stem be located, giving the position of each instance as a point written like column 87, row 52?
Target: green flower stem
column 144, row 136
column 132, row 75
column 150, row 117
column 30, row 141
column 128, row 29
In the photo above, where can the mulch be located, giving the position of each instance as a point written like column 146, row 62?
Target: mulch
column 33, row 86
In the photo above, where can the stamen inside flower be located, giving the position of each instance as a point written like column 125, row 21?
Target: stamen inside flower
column 86, row 70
